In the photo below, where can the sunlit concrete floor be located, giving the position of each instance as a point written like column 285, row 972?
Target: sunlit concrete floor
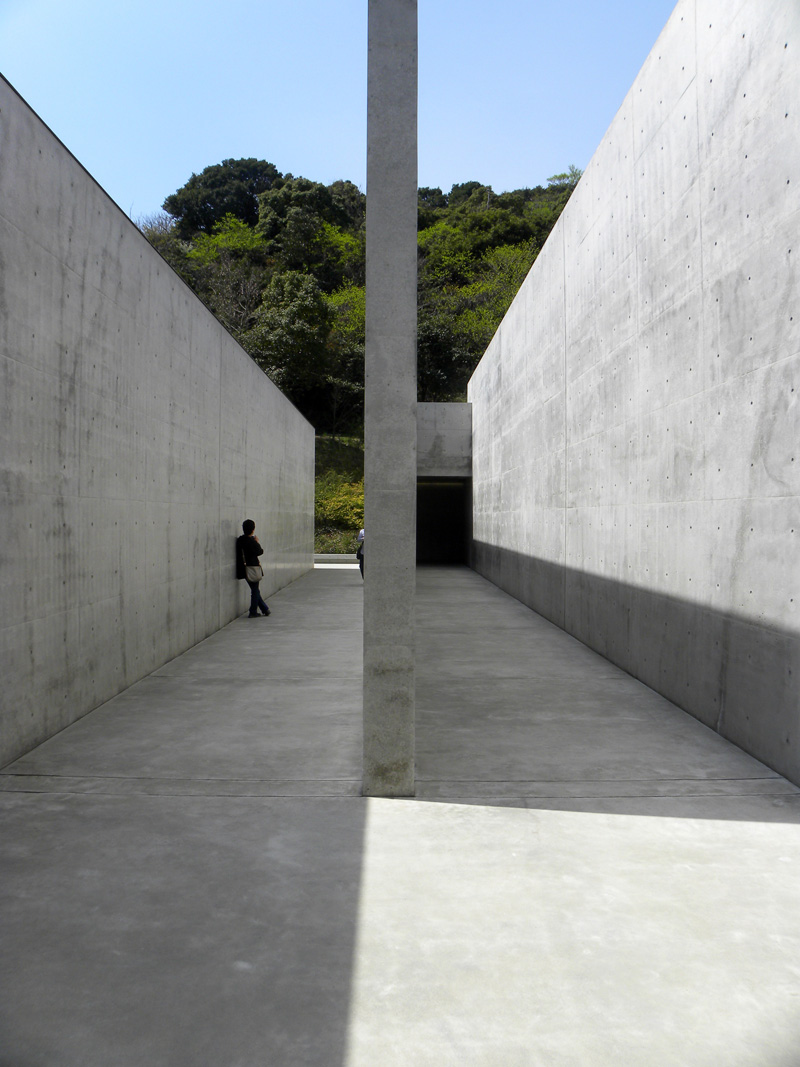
column 189, row 878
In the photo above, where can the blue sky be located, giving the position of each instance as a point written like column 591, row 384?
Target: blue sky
column 145, row 93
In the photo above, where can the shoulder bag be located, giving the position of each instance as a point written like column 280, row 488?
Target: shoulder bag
column 252, row 573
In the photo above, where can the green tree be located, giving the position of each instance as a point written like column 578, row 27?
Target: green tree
column 345, row 378
column 161, row 231
column 445, row 254
column 444, row 362
column 351, row 204
column 474, row 254
column 570, row 177
column 280, row 260
column 314, row 227
column 561, row 186
column 232, row 271
column 463, row 193
column 231, row 187
column 482, row 303
column 289, row 336
column 292, row 197
column 431, row 204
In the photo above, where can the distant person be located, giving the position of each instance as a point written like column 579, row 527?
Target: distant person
column 360, row 551
column 248, row 566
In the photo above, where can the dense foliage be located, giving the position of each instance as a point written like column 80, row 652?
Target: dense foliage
column 338, row 494
column 280, row 261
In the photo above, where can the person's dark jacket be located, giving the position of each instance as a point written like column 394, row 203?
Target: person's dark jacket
column 251, row 549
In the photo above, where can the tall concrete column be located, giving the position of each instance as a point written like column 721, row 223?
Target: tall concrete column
column 390, row 426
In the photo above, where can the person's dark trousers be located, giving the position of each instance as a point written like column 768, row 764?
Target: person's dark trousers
column 255, row 600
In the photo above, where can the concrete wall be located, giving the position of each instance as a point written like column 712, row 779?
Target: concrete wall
column 444, row 440
column 136, row 437
column 635, row 469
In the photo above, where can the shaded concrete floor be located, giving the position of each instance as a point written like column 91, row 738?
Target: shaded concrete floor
column 587, row 877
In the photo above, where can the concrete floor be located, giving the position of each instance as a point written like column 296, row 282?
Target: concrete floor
column 587, row 877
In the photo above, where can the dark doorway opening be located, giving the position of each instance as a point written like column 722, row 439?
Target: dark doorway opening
column 444, row 520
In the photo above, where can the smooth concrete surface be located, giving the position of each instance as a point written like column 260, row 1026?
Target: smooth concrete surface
column 588, row 877
column 390, row 399
column 636, row 418
column 135, row 436
column 444, row 440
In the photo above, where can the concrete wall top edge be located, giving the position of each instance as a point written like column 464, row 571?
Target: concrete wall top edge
column 212, row 323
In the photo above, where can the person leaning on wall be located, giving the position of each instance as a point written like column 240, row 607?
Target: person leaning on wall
column 248, row 566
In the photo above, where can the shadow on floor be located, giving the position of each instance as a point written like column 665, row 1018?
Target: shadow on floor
column 190, row 876
column 181, row 867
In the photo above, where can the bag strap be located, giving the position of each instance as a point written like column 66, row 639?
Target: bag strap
column 245, row 564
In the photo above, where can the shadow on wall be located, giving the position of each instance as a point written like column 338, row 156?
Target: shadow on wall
column 714, row 665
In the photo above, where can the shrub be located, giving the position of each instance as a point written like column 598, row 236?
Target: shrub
column 339, row 503
column 339, row 494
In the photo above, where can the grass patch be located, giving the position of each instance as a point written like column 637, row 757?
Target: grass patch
column 341, row 542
